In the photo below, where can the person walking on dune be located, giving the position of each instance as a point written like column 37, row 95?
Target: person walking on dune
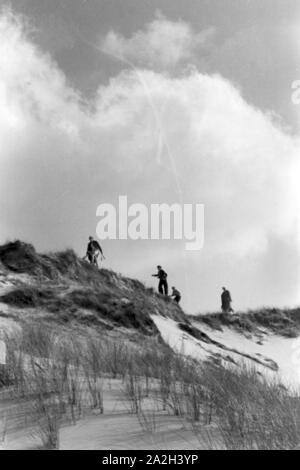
column 163, row 284
column 226, row 301
column 93, row 251
column 176, row 294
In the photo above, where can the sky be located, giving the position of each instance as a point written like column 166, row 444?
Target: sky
column 164, row 102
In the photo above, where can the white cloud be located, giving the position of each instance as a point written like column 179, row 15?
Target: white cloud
column 33, row 91
column 162, row 43
column 152, row 137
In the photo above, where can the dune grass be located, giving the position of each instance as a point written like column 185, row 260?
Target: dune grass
column 284, row 322
column 68, row 287
column 60, row 379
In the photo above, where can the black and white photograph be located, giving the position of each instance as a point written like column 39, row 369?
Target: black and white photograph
column 149, row 227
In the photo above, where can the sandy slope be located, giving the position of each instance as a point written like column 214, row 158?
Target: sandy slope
column 116, row 429
column 261, row 352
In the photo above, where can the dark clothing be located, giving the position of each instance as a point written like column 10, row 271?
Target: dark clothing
column 93, row 246
column 162, row 275
column 226, row 301
column 92, row 251
column 90, row 257
column 176, row 294
column 163, row 286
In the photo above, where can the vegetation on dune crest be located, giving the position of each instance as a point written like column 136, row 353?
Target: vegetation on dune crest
column 109, row 296
column 22, row 258
column 285, row 322
column 71, row 289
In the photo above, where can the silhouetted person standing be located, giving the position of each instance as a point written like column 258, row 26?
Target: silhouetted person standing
column 163, row 284
column 176, row 294
column 226, row 301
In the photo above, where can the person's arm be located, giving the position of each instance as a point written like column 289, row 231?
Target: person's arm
column 99, row 247
column 154, row 275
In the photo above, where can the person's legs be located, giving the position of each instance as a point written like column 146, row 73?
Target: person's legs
column 165, row 287
column 177, row 298
column 160, row 286
column 95, row 257
column 225, row 307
